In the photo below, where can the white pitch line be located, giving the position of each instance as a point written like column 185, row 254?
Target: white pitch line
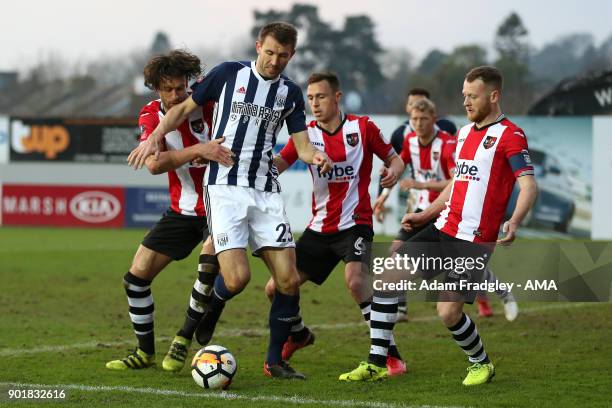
column 222, row 395
column 8, row 352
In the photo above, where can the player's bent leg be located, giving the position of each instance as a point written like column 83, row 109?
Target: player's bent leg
column 284, row 311
column 358, row 281
column 467, row 338
column 137, row 283
column 233, row 277
column 147, row 264
column 200, row 296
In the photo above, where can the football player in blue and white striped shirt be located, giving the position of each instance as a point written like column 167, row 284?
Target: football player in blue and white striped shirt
column 244, row 206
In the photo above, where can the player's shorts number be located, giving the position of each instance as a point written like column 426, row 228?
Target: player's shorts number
column 285, row 233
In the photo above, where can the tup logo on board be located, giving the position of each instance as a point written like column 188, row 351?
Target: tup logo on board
column 45, row 139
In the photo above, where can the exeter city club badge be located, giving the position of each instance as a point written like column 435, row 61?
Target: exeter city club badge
column 352, row 139
column 489, row 142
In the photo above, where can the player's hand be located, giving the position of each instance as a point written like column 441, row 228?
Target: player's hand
column 409, row 183
column 199, row 162
column 214, row 151
column 509, row 229
column 412, row 221
column 323, row 162
column 388, row 177
column 139, row 155
column 379, row 208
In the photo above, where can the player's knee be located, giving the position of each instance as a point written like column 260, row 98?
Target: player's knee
column 140, row 270
column 355, row 286
column 270, row 288
column 236, row 282
column 449, row 315
column 288, row 284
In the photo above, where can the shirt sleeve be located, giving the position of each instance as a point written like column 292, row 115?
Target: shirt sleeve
column 448, row 158
column 376, row 141
column 209, row 87
column 517, row 152
column 405, row 153
column 296, row 117
column 289, row 153
column 147, row 122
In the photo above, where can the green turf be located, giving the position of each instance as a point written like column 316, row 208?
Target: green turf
column 63, row 287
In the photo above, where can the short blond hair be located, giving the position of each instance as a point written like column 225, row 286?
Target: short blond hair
column 425, row 105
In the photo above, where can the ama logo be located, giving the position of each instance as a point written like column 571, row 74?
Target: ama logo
column 338, row 173
column 466, row 171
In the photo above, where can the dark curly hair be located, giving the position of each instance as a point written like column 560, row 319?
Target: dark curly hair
column 177, row 63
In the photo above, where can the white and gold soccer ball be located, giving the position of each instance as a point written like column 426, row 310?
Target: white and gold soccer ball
column 213, row 367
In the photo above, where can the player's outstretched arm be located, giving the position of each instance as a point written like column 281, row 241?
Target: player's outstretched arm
column 173, row 118
column 309, row 154
column 173, row 159
column 414, row 220
column 527, row 196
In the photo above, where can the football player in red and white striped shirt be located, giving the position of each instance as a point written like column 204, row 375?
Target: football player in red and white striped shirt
column 430, row 153
column 183, row 226
column 491, row 154
column 341, row 224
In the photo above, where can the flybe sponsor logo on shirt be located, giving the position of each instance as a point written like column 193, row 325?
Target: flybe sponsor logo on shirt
column 338, row 173
column 466, row 171
column 255, row 111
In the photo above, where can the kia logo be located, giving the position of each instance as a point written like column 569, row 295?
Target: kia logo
column 95, row 206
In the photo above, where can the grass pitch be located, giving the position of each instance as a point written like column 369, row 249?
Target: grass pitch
column 64, row 314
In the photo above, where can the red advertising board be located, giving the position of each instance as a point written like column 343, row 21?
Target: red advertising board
column 76, row 206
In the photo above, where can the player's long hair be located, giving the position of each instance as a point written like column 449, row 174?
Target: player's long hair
column 175, row 64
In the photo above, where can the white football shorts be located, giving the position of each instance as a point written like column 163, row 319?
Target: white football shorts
column 239, row 216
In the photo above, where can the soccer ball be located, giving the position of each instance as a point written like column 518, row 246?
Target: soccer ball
column 213, row 367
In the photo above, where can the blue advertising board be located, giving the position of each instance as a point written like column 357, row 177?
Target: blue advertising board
column 145, row 206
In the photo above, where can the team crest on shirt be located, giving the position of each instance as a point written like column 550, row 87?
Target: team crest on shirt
column 280, row 101
column 436, row 156
column 489, row 142
column 352, row 139
column 197, row 125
